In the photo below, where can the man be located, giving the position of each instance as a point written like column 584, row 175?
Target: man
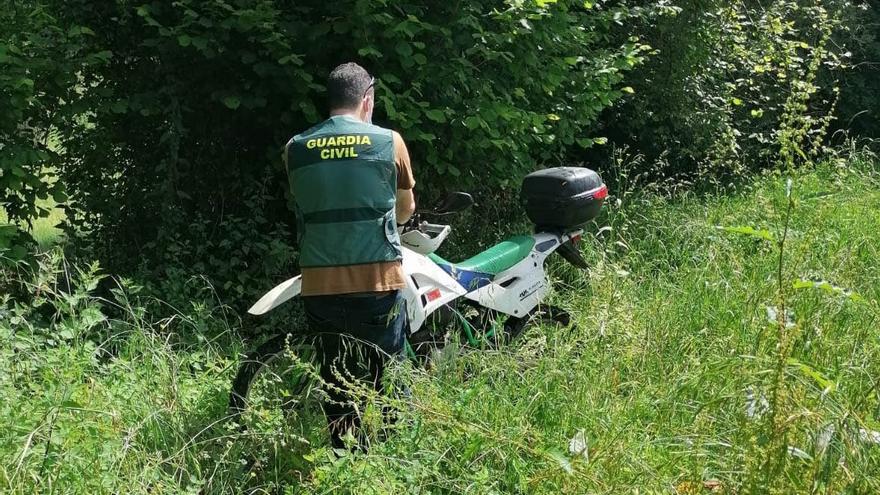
column 352, row 184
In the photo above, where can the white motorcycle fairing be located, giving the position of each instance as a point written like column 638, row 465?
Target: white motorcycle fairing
column 428, row 287
column 515, row 291
column 519, row 289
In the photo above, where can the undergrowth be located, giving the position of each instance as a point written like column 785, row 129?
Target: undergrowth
column 723, row 344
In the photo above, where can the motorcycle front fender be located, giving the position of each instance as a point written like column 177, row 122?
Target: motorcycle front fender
column 279, row 295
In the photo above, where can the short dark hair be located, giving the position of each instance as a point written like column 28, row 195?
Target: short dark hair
column 346, row 86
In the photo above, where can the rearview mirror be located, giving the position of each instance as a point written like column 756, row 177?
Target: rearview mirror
column 454, row 203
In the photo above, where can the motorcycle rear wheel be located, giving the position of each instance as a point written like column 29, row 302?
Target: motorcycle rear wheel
column 276, row 390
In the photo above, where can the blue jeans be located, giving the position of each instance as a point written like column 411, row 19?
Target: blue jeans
column 355, row 334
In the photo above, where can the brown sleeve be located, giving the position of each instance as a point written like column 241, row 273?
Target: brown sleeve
column 405, row 179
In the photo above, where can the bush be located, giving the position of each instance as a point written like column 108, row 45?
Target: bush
column 735, row 84
column 41, row 64
column 171, row 116
column 859, row 108
column 186, row 122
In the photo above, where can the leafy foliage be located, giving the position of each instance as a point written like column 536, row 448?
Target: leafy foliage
column 186, row 121
column 737, row 86
column 41, row 63
column 170, row 117
column 859, row 108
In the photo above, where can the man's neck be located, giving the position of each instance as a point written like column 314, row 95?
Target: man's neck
column 349, row 113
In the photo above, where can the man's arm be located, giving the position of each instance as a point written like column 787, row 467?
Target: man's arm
column 406, row 203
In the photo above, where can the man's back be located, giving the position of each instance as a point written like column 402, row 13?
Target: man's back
column 343, row 175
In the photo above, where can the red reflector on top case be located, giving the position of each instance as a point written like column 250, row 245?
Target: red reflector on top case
column 433, row 295
column 602, row 193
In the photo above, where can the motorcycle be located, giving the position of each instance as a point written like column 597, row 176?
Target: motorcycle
column 506, row 283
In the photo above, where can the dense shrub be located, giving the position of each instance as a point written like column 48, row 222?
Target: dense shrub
column 40, row 78
column 859, row 108
column 182, row 146
column 169, row 117
column 734, row 85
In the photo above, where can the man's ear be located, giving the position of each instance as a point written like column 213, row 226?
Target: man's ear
column 367, row 106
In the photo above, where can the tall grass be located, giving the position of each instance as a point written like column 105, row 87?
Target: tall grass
column 708, row 356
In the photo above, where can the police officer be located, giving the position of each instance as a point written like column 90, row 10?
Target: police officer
column 352, row 184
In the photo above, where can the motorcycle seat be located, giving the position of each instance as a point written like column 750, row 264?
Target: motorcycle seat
column 479, row 270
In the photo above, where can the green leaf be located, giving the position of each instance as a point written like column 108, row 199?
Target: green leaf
column 232, row 102
column 79, row 30
column 750, row 231
column 628, row 89
column 184, row 40
column 826, row 384
column 562, row 460
column 7, row 231
column 472, row 122
column 369, row 51
column 403, row 49
column 104, row 55
column 200, row 43
column 826, row 287
column 436, row 115
column 120, row 106
column 90, row 317
column 292, row 58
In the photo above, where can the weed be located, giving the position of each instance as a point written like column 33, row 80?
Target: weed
column 672, row 381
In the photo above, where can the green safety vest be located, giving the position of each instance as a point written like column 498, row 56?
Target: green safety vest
column 344, row 182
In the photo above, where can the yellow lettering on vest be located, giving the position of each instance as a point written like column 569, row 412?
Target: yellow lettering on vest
column 310, row 144
column 366, row 140
column 338, row 153
column 321, row 142
column 350, row 140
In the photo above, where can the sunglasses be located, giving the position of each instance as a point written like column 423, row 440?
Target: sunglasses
column 372, row 84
